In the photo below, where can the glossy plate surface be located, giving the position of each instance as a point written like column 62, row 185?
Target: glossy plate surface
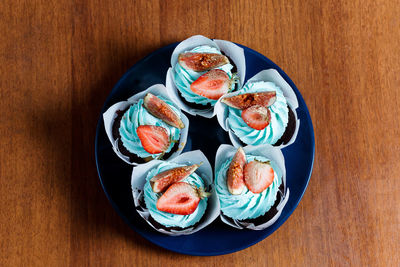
column 217, row 238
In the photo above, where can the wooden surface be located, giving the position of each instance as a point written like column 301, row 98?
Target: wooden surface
column 60, row 59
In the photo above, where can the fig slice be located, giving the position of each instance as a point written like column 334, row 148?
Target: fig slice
column 234, row 177
column 158, row 108
column 163, row 180
column 244, row 101
column 201, row 61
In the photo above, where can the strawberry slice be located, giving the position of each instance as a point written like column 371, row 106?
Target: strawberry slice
column 257, row 117
column 181, row 198
column 212, row 84
column 244, row 101
column 158, row 108
column 161, row 181
column 258, row 176
column 201, row 61
column 154, row 139
column 234, row 177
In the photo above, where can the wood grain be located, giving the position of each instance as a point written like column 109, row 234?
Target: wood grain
column 60, row 59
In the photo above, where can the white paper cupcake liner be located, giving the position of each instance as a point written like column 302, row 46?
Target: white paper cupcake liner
column 234, row 52
column 270, row 75
column 204, row 171
column 226, row 152
column 111, row 114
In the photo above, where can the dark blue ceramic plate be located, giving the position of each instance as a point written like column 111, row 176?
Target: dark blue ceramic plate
column 217, row 238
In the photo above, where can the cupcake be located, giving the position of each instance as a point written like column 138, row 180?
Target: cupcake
column 262, row 112
column 145, row 127
column 176, row 197
column 202, row 71
column 251, row 185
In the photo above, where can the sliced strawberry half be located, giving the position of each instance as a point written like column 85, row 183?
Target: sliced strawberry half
column 257, row 117
column 154, row 139
column 244, row 101
column 212, row 84
column 181, row 198
column 158, row 108
column 234, row 177
column 258, row 176
column 201, row 61
column 161, row 181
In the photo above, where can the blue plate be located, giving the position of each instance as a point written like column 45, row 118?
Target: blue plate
column 217, row 238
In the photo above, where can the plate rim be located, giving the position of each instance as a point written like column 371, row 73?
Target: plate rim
column 273, row 227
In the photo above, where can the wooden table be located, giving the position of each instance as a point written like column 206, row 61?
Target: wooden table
column 60, row 59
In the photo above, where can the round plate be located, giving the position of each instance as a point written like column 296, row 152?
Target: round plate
column 217, row 238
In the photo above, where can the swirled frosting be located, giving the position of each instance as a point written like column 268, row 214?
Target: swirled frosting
column 183, row 78
column 169, row 219
column 137, row 115
column 246, row 205
column 279, row 117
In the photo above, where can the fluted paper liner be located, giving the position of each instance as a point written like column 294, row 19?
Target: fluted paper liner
column 226, row 152
column 111, row 114
column 270, row 75
column 204, row 171
column 234, row 52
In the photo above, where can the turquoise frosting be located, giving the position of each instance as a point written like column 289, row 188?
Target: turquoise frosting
column 279, row 117
column 137, row 115
column 184, row 78
column 169, row 219
column 247, row 205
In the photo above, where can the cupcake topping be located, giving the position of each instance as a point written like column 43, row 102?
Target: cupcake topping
column 181, row 198
column 170, row 219
column 234, row 177
column 244, row 101
column 212, row 84
column 258, row 176
column 201, row 61
column 247, row 205
column 184, row 73
column 154, row 139
column 279, row 115
column 161, row 181
column 159, row 109
column 257, row 117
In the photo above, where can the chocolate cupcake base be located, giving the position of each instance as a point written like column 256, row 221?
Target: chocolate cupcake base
column 194, row 105
column 289, row 131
